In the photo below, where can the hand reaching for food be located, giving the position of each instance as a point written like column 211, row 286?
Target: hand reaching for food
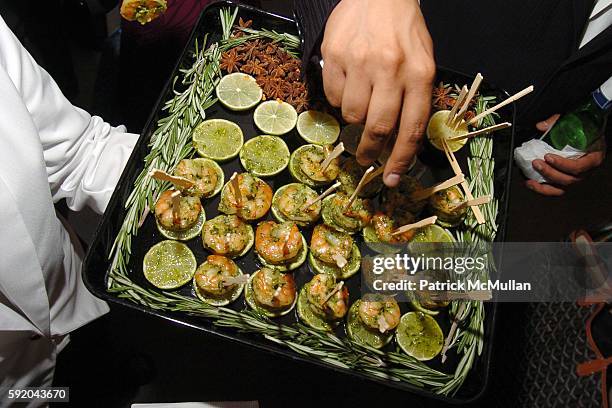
column 562, row 172
column 143, row 11
column 379, row 68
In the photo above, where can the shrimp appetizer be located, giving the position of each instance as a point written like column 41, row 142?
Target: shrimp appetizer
column 280, row 245
column 271, row 292
column 289, row 201
column 227, row 235
column 206, row 175
column 400, row 197
column 251, row 202
column 447, row 205
column 143, row 11
column 333, row 252
column 350, row 175
column 349, row 220
column 322, row 302
column 381, row 227
column 179, row 217
column 372, row 320
column 218, row 281
column 305, row 165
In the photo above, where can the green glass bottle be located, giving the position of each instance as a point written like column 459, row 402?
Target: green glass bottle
column 582, row 126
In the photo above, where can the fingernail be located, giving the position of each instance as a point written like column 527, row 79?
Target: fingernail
column 549, row 159
column 537, row 165
column 392, row 179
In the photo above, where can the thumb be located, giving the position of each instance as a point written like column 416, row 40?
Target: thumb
column 544, row 125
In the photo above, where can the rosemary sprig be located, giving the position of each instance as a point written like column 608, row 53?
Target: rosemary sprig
column 169, row 143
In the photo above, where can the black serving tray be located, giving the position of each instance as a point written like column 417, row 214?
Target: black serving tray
column 97, row 264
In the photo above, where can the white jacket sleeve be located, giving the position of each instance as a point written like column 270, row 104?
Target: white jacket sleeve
column 84, row 156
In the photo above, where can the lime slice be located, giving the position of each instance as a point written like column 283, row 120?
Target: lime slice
column 348, row 270
column 217, row 139
column 169, row 265
column 249, row 296
column 292, row 264
column 437, row 130
column 265, row 155
column 298, row 173
column 238, row 91
column 360, row 334
column 184, row 235
column 275, row 117
column 318, row 127
column 350, row 136
column 433, row 233
column 308, row 317
column 420, row 336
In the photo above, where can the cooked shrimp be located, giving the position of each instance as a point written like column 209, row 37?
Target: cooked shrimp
column 383, row 315
column 350, row 175
column 273, row 288
column 179, row 219
column 384, row 227
column 360, row 209
column 216, row 276
column 401, row 196
column 254, row 201
column 293, row 198
column 201, row 172
column 310, row 163
column 277, row 243
column 142, row 11
column 326, row 297
column 331, row 246
column 226, row 235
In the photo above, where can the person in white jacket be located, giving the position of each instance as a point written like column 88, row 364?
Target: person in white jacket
column 49, row 150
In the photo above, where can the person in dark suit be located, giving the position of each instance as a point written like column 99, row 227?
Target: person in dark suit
column 375, row 53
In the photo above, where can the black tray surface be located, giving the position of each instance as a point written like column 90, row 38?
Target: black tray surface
column 97, row 265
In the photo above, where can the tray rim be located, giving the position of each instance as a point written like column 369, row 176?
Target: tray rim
column 262, row 345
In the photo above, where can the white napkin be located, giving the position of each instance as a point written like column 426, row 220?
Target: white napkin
column 537, row 149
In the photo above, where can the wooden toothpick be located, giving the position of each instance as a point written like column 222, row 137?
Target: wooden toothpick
column 374, row 174
column 426, row 192
column 321, row 196
column 420, row 224
column 482, row 131
column 477, row 201
column 333, row 292
column 332, row 155
column 235, row 280
column 236, row 188
column 180, row 182
column 466, row 103
column 359, row 187
column 464, row 185
column 176, row 204
column 458, row 102
column 513, row 98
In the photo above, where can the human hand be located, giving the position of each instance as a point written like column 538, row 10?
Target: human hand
column 561, row 172
column 379, row 68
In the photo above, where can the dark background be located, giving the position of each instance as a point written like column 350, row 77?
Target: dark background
column 127, row 357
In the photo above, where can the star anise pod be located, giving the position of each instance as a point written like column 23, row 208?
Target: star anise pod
column 230, row 61
column 278, row 72
column 250, row 47
column 276, row 90
column 244, row 24
column 300, row 103
column 441, row 98
column 469, row 115
column 253, row 67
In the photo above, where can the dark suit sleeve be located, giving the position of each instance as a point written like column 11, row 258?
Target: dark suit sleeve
column 311, row 16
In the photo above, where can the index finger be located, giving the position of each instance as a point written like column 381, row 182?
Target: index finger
column 414, row 117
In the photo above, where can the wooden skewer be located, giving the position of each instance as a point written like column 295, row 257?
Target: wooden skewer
column 458, row 102
column 477, row 201
column 359, row 187
column 332, row 155
column 176, row 204
column 464, row 185
column 426, row 192
column 374, row 174
column 235, row 280
column 513, row 98
column 482, row 131
column 321, row 196
column 466, row 103
column 333, row 292
column 236, row 188
column 419, row 224
column 180, row 182
column 340, row 260
column 451, row 332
